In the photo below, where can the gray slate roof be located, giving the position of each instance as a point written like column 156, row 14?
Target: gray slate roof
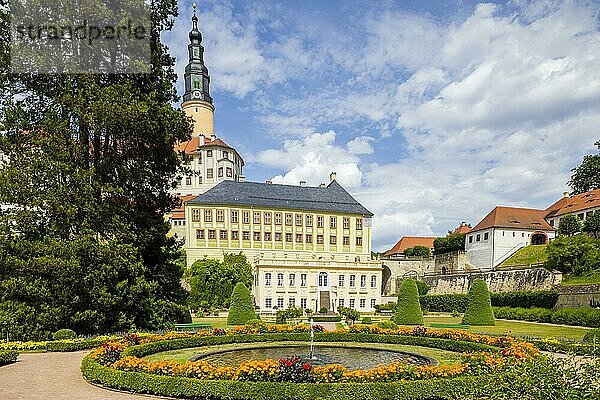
column 332, row 198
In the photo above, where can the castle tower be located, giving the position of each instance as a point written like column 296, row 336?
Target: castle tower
column 197, row 102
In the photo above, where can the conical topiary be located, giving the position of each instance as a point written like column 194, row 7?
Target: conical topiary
column 241, row 308
column 408, row 310
column 479, row 307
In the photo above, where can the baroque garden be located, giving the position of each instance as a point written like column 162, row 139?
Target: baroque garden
column 131, row 236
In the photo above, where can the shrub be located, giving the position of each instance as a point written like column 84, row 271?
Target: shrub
column 366, row 320
column 417, row 251
column 452, row 242
column 350, row 313
column 479, row 308
column 525, row 299
column 241, row 309
column 566, row 316
column 592, row 336
column 8, row 356
column 326, row 318
column 387, row 325
column 444, row 302
column 408, row 310
column 423, row 288
column 569, row 225
column 577, row 254
column 282, row 316
column 63, row 334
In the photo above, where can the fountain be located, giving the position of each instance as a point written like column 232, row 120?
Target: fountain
column 311, row 354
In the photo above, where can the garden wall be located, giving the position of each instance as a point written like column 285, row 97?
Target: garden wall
column 578, row 296
column 497, row 281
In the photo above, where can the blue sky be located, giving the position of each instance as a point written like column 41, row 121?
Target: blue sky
column 430, row 112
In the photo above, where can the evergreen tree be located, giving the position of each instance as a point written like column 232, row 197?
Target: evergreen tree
column 586, row 177
column 88, row 165
column 241, row 309
column 592, row 224
column 408, row 310
column 569, row 225
column 479, row 307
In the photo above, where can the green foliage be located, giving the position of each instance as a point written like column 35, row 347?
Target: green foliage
column 565, row 316
column 387, row 325
column 211, row 281
column 350, row 313
column 479, row 307
column 591, row 224
column 417, row 251
column 592, row 336
column 458, row 301
column 241, row 309
column 586, row 177
column 8, row 356
column 422, row 287
column 408, row 310
column 569, row 225
column 366, row 320
column 527, row 255
column 326, row 318
column 576, row 254
column 452, row 242
column 62, row 334
column 283, row 315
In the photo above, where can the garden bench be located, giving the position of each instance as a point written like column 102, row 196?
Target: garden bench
column 449, row 326
column 193, row 327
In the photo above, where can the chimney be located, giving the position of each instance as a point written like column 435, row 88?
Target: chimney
column 463, row 223
column 269, row 182
column 212, row 137
column 322, row 185
column 303, row 183
column 332, row 176
column 242, row 178
column 566, row 194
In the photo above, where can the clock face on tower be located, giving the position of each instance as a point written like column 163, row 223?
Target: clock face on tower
column 196, row 93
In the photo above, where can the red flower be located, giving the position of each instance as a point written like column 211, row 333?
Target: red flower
column 288, row 363
column 306, row 366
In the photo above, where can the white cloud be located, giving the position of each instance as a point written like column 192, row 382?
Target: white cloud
column 360, row 145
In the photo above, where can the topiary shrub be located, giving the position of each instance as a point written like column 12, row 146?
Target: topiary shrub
column 479, row 307
column 63, row 334
column 592, row 336
column 408, row 310
column 387, row 325
column 241, row 309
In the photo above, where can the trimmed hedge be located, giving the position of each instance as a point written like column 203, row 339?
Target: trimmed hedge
column 73, row 345
column 241, row 309
column 458, row 301
column 479, row 309
column 326, row 318
column 565, row 316
column 444, row 302
column 408, row 310
column 8, row 356
column 63, row 334
column 592, row 336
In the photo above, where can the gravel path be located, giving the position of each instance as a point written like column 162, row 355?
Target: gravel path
column 51, row 376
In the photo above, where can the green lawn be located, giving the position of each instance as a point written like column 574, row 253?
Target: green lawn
column 443, row 356
column 526, row 256
column 593, row 277
column 517, row 328
column 216, row 322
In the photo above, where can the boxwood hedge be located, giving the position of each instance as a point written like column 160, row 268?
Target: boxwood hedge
column 458, row 301
column 8, row 356
column 566, row 316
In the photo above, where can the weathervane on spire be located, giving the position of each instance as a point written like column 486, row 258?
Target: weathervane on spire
column 194, row 6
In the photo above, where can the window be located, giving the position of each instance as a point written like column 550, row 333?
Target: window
column 479, row 237
column 288, row 219
column 359, row 241
column 246, row 217
column 332, row 239
column 298, row 238
column 212, row 234
column 303, row 304
column 372, row 303
column 319, row 239
column 268, row 302
column 208, row 153
column 225, row 154
column 199, row 233
column 280, row 302
column 346, row 223
column 207, row 215
column 298, row 219
column 580, row 216
column 359, row 223
column 352, row 303
column 292, row 302
column 551, row 222
column 209, row 173
column 292, row 279
column 309, row 238
column 188, row 180
column 200, row 180
column 323, row 279
column 363, row 281
column 268, row 279
column 522, row 234
column 280, row 279
column 332, row 222
column 471, row 238
column 319, row 221
column 235, row 235
column 486, row 236
column 267, row 218
column 234, row 216
column 256, row 217
column 220, row 172
column 245, row 235
column 195, row 214
column 288, row 237
column 373, row 281
column 346, row 240
column 302, row 280
column 257, row 236
column 268, row 236
column 220, row 216
column 223, row 235
column 352, row 280
column 340, row 303
column 363, row 303
column 277, row 218
column 228, row 172
column 341, row 280
column 277, row 236
column 309, row 220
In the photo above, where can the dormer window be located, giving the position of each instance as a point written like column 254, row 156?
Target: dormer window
column 225, row 154
column 208, row 153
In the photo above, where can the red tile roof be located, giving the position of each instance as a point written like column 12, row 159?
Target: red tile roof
column 513, row 217
column 462, row 228
column 183, row 200
column 574, row 204
column 192, row 145
column 410, row 241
